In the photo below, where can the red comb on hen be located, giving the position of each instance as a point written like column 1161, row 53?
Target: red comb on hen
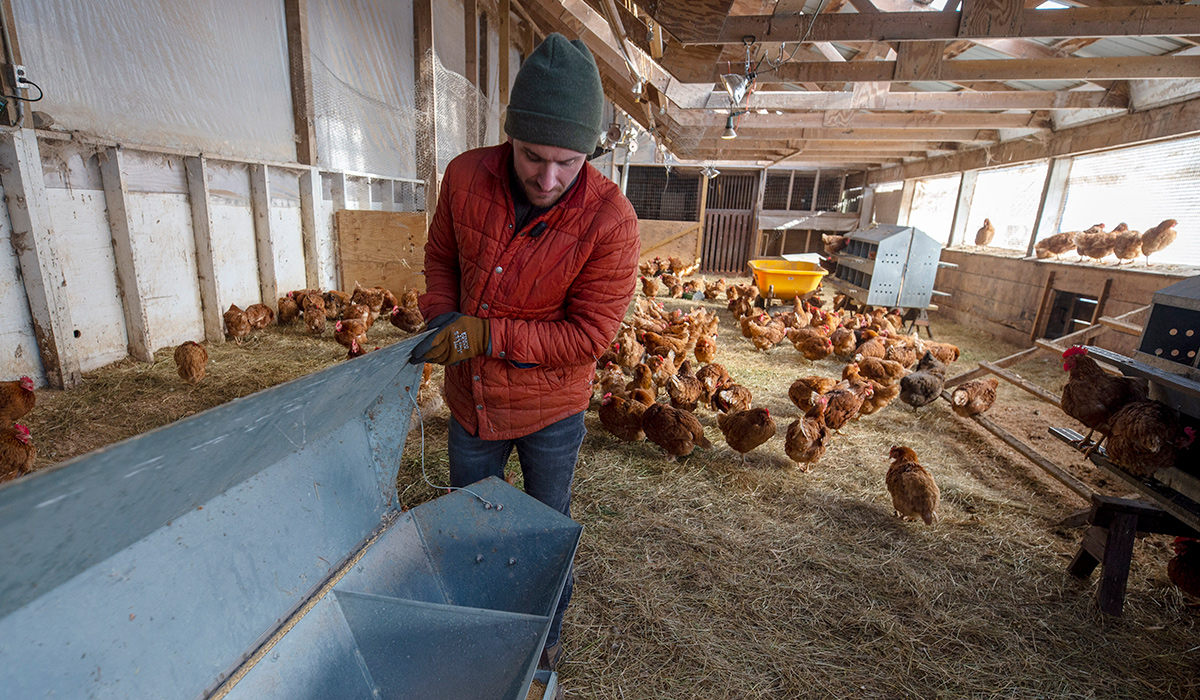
column 1074, row 350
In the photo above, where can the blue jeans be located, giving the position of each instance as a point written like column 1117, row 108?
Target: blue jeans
column 547, row 464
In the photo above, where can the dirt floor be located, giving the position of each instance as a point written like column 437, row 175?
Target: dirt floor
column 704, row 578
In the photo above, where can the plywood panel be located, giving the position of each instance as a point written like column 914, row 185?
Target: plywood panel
column 382, row 248
column 234, row 255
column 325, row 244
column 18, row 350
column 662, row 239
column 164, row 248
column 289, row 248
column 81, row 229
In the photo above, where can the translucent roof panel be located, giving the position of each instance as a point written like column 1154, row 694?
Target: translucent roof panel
column 1130, row 46
column 1043, row 84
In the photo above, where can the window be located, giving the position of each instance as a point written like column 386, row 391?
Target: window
column 933, row 206
column 1009, row 198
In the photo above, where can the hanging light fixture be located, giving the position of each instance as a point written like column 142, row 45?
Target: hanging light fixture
column 736, row 85
column 729, row 133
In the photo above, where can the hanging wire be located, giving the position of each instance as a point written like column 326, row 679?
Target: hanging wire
column 775, row 65
column 486, row 503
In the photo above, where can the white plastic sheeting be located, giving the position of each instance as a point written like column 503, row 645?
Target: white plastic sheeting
column 209, row 75
column 1009, row 198
column 363, row 85
column 933, row 207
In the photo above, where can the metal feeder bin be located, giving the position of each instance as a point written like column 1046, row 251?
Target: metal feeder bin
column 888, row 265
column 256, row 551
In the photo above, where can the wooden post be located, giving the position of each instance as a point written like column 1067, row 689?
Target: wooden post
column 1101, row 301
column 1054, row 198
column 791, row 183
column 962, row 206
column 755, row 251
column 260, row 204
column 502, row 66
column 426, row 94
column 196, row 168
column 137, row 324
column 703, row 206
column 310, row 198
column 1114, row 569
column 300, row 71
column 471, row 41
column 866, row 208
column 337, row 188
column 1047, row 289
column 41, row 266
column 812, row 203
column 906, row 200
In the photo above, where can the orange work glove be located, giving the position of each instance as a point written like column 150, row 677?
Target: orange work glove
column 454, row 339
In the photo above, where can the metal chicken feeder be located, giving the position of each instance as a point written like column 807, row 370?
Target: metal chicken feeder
column 256, row 550
column 888, row 265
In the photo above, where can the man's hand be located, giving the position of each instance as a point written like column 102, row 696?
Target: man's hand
column 456, row 338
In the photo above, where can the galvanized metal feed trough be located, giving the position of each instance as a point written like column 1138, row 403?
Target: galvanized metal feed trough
column 256, row 551
column 888, row 266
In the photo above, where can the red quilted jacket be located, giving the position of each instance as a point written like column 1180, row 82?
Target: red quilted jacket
column 554, row 300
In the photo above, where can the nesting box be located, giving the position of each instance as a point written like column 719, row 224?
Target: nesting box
column 1171, row 334
column 257, row 550
column 888, row 265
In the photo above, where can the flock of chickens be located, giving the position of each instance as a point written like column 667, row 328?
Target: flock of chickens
column 352, row 314
column 657, row 348
column 1096, row 243
column 17, row 451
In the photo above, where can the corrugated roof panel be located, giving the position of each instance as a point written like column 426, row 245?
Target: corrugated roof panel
column 1043, row 84
column 932, row 86
column 1130, row 46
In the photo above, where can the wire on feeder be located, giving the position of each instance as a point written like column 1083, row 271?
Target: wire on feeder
column 486, row 503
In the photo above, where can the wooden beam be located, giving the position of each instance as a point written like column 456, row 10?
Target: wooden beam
column 1155, row 124
column 906, row 200
column 1109, row 68
column 747, row 133
column 10, row 111
column 1043, row 306
column 990, row 18
column 1101, row 301
column 1054, row 198
column 866, row 120
column 919, row 60
column 295, row 14
column 703, row 196
column 337, row 190
column 505, row 31
column 310, row 200
column 1023, row 384
column 1153, row 20
column 962, row 206
column 758, row 206
column 196, row 169
column 426, row 101
column 1067, row 479
column 41, row 265
column 965, row 100
column 866, row 207
column 116, row 195
column 471, row 42
column 264, row 243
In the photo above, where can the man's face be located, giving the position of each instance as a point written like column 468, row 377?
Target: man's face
column 545, row 172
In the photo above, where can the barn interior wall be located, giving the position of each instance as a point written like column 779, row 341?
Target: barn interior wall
column 887, row 207
column 1001, row 295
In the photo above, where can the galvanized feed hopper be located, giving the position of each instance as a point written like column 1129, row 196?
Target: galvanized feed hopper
column 256, row 551
column 888, row 265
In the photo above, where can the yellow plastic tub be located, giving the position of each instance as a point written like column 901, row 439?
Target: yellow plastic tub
column 784, row 279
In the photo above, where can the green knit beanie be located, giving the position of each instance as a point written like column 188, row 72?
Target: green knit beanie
column 556, row 98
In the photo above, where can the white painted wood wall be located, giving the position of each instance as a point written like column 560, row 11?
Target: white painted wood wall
column 164, row 247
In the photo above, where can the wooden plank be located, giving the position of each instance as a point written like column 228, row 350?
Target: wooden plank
column 264, row 243
column 965, row 100
column 1121, row 326
column 930, row 26
column 1047, row 290
column 990, row 18
column 1065, row 478
column 12, row 35
column 1106, row 68
column 1101, row 301
column 337, row 187
column 1021, row 383
column 1054, row 199
column 41, row 266
column 703, row 196
column 906, row 199
column 505, row 31
column 667, row 228
column 384, row 249
column 760, row 192
column 1114, row 565
column 962, row 206
column 196, row 169
column 426, row 100
column 116, row 195
column 310, row 197
column 919, row 60
column 1155, row 124
column 866, row 208
column 470, row 42
column 295, row 14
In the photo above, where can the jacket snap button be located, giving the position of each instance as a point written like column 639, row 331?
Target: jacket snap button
column 484, row 307
column 476, row 377
column 499, row 269
column 478, row 407
column 501, row 353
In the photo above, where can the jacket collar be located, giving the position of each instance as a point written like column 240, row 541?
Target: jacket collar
column 497, row 162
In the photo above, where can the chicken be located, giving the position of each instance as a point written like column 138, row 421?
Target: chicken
column 662, row 343
column 190, row 361
column 650, row 286
column 1184, row 568
column 677, row 432
column 1055, row 245
column 810, row 343
column 17, row 452
column 944, row 352
column 1128, row 244
column 1093, row 397
column 805, row 391
column 17, row 398
column 335, row 304
column 914, row 492
column 622, row 417
column 237, row 324
column 902, row 353
column 873, row 345
column 1096, row 245
column 974, row 397
column 259, row 316
column 289, row 311
column 389, row 300
column 712, row 376
column 881, row 395
column 706, row 349
column 661, row 367
column 650, row 268
column 355, row 350
column 1158, row 237
column 429, row 394
column 372, row 298
column 985, row 234
column 346, row 331
column 924, row 384
column 843, row 342
column 746, row 430
column 806, row 437
column 402, row 317
column 611, row 380
column 1145, row 436
column 885, row 372
column 714, row 290
column 731, row 397
column 311, row 299
column 643, row 379
column 844, row 404
column 360, row 312
column 684, row 388
column 314, row 318
column 766, row 333
column 833, row 243
column 410, row 298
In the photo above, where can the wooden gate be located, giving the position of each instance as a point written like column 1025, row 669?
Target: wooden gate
column 729, row 223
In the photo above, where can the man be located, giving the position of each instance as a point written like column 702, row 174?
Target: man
column 529, row 268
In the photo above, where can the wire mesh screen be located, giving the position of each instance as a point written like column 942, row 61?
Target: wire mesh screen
column 657, row 193
column 829, row 192
column 775, row 194
column 461, row 110
column 802, row 191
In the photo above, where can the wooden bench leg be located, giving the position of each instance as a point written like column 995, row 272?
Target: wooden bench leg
column 1118, row 550
column 1090, row 550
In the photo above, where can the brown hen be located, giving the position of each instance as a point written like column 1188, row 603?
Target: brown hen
column 17, row 452
column 914, row 492
column 745, row 430
column 807, row 436
column 190, row 361
column 1092, row 397
column 16, row 399
column 677, row 432
column 622, row 418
